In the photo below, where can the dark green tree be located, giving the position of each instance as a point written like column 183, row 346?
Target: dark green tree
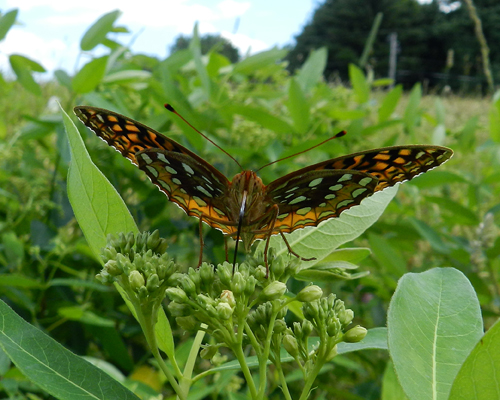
column 208, row 43
column 344, row 26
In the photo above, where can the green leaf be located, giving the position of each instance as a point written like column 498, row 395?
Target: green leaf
column 437, row 179
column 98, row 31
column 52, row 367
column 320, row 241
column 434, row 322
column 6, row 22
column 23, row 67
column 298, row 107
column 330, row 272
column 461, row 214
column 353, row 255
column 261, row 116
column 388, row 257
column 195, row 48
column 411, row 114
column 430, row 235
column 63, row 78
column 260, row 60
column 98, row 208
column 359, row 84
column 17, row 280
column 342, row 114
column 389, row 103
column 311, row 71
column 391, row 388
column 127, row 76
column 494, row 120
column 76, row 313
column 480, row 373
column 13, row 248
column 90, row 75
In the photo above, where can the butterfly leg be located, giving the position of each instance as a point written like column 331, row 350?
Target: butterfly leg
column 201, row 243
column 225, row 248
column 293, row 252
column 275, row 211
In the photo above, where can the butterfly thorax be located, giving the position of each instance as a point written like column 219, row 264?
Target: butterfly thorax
column 247, row 200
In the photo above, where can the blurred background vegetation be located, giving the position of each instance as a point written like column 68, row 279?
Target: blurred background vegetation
column 258, row 108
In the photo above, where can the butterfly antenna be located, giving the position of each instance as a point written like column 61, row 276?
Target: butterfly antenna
column 340, row 134
column 171, row 109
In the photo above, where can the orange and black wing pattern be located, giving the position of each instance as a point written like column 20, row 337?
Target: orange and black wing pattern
column 189, row 181
column 322, row 191
column 310, row 197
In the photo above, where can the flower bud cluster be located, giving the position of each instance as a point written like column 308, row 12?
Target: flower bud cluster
column 260, row 318
column 139, row 263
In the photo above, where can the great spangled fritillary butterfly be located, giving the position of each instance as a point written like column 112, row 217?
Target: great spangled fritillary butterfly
column 245, row 208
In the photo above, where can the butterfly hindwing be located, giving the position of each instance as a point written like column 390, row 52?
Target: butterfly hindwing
column 199, row 189
column 306, row 199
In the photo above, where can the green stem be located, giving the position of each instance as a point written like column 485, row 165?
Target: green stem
column 265, row 356
column 147, row 325
column 321, row 356
column 284, row 386
column 238, row 352
column 253, row 339
column 188, row 369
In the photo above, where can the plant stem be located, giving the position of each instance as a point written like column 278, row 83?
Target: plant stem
column 284, row 386
column 186, row 380
column 238, row 352
column 146, row 323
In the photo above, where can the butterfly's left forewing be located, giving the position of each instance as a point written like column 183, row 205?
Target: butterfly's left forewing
column 306, row 199
column 126, row 135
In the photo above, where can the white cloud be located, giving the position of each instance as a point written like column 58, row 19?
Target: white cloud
column 231, row 8
column 49, row 53
column 245, row 43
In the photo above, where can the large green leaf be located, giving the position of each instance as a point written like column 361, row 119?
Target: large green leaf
column 6, row 22
column 260, row 60
column 90, row 75
column 312, row 71
column 359, row 84
column 261, row 116
column 434, row 322
column 479, row 377
column 98, row 31
column 389, row 103
column 23, row 67
column 49, row 365
column 320, row 241
column 98, row 208
column 195, row 48
column 411, row 114
column 298, row 107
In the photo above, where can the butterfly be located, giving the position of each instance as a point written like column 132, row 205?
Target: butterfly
column 245, row 208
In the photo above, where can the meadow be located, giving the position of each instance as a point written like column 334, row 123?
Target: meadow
column 417, row 269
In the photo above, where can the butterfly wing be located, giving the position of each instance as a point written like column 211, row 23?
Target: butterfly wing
column 389, row 165
column 306, row 198
column 189, row 181
column 193, row 186
column 127, row 135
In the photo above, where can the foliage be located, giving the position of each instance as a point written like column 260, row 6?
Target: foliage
column 258, row 112
column 208, row 43
column 435, row 42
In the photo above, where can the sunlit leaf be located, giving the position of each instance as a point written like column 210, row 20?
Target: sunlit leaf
column 434, row 322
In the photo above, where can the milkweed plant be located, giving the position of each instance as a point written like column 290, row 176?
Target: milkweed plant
column 242, row 311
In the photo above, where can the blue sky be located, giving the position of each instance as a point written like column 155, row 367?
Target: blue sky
column 50, row 30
